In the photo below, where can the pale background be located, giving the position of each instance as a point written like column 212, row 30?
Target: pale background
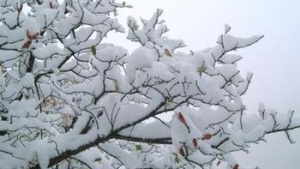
column 274, row 61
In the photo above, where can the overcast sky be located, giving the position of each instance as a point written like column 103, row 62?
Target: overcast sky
column 275, row 60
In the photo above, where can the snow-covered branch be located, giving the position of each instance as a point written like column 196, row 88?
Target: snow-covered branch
column 68, row 100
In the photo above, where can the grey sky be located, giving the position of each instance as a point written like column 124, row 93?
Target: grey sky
column 275, row 60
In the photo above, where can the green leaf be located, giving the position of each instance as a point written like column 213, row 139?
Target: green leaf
column 170, row 99
column 36, row 135
column 201, row 69
column 138, row 147
column 117, row 87
column 177, row 159
column 98, row 160
column 93, row 49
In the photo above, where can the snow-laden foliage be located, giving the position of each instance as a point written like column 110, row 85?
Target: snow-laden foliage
column 68, row 100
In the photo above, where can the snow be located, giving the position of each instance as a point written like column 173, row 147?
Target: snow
column 126, row 158
column 230, row 43
column 9, row 55
column 31, row 26
column 227, row 28
column 11, row 18
column 161, row 71
column 148, row 130
column 140, row 58
column 68, row 93
column 230, row 59
column 44, row 17
column 227, row 71
column 47, row 51
column 41, row 154
column 106, row 52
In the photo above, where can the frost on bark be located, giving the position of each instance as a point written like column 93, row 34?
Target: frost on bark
column 68, row 100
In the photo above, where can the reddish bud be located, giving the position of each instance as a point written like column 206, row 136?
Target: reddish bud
column 195, row 142
column 26, row 45
column 181, row 151
column 207, row 136
column 31, row 37
column 236, row 166
column 181, row 118
column 168, row 53
column 19, row 9
column 28, row 34
column 34, row 36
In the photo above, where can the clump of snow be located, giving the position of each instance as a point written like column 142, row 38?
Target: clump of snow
column 141, row 58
